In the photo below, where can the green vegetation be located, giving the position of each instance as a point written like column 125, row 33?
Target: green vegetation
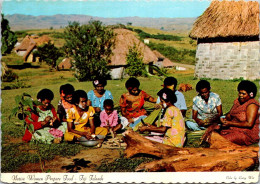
column 181, row 56
column 134, row 60
column 48, row 53
column 158, row 36
column 91, row 47
column 36, row 76
column 8, row 38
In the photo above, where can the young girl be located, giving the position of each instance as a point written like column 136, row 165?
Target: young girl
column 80, row 119
column 109, row 117
column 65, row 103
column 45, row 121
column 172, row 126
column 132, row 102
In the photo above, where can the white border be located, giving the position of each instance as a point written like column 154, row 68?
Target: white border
column 133, row 177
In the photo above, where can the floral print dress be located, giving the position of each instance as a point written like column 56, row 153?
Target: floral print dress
column 175, row 134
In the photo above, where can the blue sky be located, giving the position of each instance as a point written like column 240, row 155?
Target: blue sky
column 108, row 8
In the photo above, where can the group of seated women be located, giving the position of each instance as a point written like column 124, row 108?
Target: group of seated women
column 89, row 114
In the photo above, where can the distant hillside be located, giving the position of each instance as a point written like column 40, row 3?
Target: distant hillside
column 25, row 22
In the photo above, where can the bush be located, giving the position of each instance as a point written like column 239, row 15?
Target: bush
column 181, row 56
column 134, row 60
column 9, row 76
column 91, row 48
column 144, row 35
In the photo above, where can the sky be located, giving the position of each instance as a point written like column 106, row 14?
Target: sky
column 108, row 8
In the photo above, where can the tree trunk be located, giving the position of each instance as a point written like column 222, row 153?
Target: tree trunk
column 222, row 155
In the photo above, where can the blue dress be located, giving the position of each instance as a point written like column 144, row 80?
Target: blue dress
column 98, row 102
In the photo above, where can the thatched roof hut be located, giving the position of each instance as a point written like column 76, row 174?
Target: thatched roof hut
column 228, row 19
column 124, row 40
column 65, row 64
column 166, row 62
column 29, row 43
column 228, row 41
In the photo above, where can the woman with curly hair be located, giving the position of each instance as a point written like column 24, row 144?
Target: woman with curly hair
column 241, row 124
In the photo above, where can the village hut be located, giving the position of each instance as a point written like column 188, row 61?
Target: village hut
column 227, row 35
column 123, row 41
column 65, row 64
column 162, row 60
column 28, row 45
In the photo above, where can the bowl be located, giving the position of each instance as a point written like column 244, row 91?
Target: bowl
column 88, row 142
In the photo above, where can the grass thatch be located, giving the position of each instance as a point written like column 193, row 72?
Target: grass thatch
column 228, row 19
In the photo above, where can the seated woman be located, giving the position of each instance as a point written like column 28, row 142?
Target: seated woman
column 80, row 119
column 241, row 124
column 45, row 121
column 97, row 96
column 172, row 125
column 206, row 109
column 132, row 102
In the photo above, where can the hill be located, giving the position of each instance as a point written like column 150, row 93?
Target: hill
column 26, row 22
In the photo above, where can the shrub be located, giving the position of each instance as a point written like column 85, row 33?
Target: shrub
column 91, row 47
column 134, row 60
column 9, row 76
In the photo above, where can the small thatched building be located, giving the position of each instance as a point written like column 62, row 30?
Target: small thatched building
column 28, row 45
column 227, row 34
column 123, row 41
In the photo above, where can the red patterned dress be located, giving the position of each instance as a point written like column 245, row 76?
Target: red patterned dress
column 242, row 136
column 134, row 104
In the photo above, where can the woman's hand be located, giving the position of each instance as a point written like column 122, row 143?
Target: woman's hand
column 46, row 121
column 97, row 109
column 224, row 122
column 87, row 135
column 143, row 128
column 157, row 106
column 52, row 120
column 206, row 136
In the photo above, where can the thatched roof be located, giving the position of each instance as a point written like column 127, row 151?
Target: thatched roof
column 30, row 42
column 228, row 19
column 65, row 64
column 124, row 40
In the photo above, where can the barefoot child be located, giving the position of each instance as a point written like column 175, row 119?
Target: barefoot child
column 80, row 119
column 109, row 117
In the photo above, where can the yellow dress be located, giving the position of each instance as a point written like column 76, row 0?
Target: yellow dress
column 80, row 123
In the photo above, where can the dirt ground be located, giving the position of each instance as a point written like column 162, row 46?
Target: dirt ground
column 85, row 161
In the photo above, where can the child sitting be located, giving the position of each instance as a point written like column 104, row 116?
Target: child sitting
column 65, row 103
column 109, row 117
column 80, row 119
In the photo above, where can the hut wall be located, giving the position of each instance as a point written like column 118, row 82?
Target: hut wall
column 230, row 60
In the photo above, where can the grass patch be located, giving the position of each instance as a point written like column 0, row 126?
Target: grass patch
column 123, row 164
column 16, row 155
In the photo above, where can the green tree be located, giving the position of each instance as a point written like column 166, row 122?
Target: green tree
column 9, row 38
column 134, row 60
column 48, row 53
column 91, row 47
